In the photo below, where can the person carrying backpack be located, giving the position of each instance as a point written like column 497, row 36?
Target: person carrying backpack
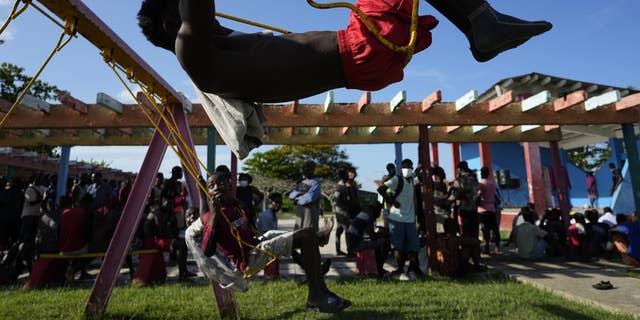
column 465, row 191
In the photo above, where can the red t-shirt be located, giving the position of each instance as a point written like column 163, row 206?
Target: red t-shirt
column 367, row 64
column 226, row 240
column 73, row 224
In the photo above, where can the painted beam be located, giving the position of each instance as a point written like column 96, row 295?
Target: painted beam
column 109, row 102
column 397, row 101
column 364, row 101
column 328, row 102
column 430, row 100
column 535, row 180
column 67, row 100
column 191, row 158
column 186, row 103
column 477, row 129
column 466, row 100
column 536, row 100
column 571, row 100
column 427, row 198
column 602, row 100
column 630, row 101
column 35, row 103
column 501, row 101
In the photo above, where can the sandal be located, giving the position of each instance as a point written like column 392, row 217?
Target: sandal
column 603, row 285
column 334, row 304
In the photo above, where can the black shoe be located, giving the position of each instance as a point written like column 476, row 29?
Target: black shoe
column 340, row 253
column 493, row 32
column 603, row 285
column 334, row 304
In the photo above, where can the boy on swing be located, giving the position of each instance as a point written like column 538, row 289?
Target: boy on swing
column 224, row 230
column 224, row 64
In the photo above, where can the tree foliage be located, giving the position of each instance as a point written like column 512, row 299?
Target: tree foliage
column 13, row 81
column 591, row 157
column 285, row 162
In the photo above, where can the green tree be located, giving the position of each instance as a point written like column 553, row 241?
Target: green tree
column 285, row 162
column 591, row 157
column 13, row 81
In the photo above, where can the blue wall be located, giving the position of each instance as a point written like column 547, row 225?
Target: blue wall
column 510, row 156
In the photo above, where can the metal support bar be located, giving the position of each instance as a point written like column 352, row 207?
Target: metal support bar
column 427, row 198
column 485, row 156
column 127, row 225
column 183, row 126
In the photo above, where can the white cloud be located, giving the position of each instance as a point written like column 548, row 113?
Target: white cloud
column 4, row 3
column 8, row 35
column 125, row 97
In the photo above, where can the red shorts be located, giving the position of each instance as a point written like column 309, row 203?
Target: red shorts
column 367, row 64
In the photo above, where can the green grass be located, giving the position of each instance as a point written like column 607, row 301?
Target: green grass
column 435, row 298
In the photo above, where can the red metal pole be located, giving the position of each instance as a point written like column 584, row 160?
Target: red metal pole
column 485, row 156
column 561, row 184
column 427, row 198
column 455, row 154
column 435, row 153
column 535, row 179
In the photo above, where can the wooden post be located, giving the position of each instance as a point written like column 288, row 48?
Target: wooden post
column 485, row 156
column 535, row 180
column 234, row 171
column 561, row 184
column 631, row 147
column 63, row 172
column 427, row 198
column 398, row 160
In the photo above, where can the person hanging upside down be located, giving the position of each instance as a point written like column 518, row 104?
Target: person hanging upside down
column 224, row 64
column 223, row 233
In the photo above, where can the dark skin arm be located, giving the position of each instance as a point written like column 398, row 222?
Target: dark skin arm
column 197, row 27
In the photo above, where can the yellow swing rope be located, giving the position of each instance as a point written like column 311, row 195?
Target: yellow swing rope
column 15, row 12
column 409, row 48
column 191, row 171
column 69, row 30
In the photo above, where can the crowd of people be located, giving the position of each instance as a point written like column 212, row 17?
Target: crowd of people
column 84, row 218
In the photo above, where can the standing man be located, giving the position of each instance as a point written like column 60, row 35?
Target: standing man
column 487, row 211
column 306, row 196
column 402, row 220
column 616, row 177
column 592, row 189
column 99, row 190
column 465, row 191
column 341, row 208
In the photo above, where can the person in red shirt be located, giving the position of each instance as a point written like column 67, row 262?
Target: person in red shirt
column 224, row 230
column 74, row 235
column 265, row 68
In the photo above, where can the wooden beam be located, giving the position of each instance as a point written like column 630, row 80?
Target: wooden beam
column 630, row 101
column 501, row 101
column 570, row 100
column 283, row 136
column 66, row 99
column 365, row 100
column 430, row 100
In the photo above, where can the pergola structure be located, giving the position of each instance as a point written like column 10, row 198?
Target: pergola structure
column 502, row 116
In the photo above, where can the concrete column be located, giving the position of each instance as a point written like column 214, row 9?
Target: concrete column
column 63, row 172
column 561, row 184
column 427, row 198
column 535, row 180
column 212, row 136
column 455, row 155
column 435, row 153
column 398, row 161
column 485, row 156
column 631, row 147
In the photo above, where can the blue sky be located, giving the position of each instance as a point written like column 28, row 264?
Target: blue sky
column 594, row 41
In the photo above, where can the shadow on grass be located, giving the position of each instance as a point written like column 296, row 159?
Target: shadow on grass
column 474, row 278
column 563, row 313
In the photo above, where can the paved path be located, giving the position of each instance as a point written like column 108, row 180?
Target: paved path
column 574, row 280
